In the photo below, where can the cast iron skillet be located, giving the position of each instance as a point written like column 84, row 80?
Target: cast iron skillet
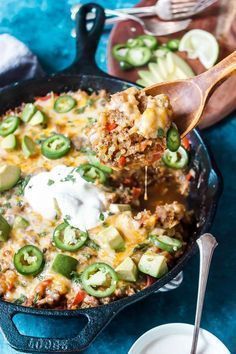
column 205, row 191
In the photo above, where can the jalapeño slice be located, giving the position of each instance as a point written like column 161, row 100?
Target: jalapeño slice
column 29, row 260
column 139, row 56
column 55, row 147
column 9, row 125
column 64, row 104
column 92, row 173
column 68, row 238
column 178, row 159
column 149, row 41
column 99, row 280
column 173, row 140
column 166, row 243
column 119, row 52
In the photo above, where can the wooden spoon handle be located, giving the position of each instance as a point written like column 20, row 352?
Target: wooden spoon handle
column 209, row 80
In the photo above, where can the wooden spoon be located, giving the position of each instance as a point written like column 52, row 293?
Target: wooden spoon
column 189, row 97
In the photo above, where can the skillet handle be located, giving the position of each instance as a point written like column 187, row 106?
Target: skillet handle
column 97, row 319
column 87, row 41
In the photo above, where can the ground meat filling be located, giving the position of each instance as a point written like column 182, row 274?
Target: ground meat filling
column 131, row 131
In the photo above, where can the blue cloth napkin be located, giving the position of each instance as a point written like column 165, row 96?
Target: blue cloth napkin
column 17, row 61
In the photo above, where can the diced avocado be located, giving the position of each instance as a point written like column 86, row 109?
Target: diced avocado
column 64, row 265
column 153, row 264
column 5, row 229
column 28, row 146
column 119, row 208
column 127, row 270
column 111, row 236
column 97, row 279
column 9, row 176
column 20, row 222
column 28, row 112
column 38, row 118
column 9, row 142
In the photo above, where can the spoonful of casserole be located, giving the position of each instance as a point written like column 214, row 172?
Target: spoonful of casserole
column 134, row 129
column 138, row 126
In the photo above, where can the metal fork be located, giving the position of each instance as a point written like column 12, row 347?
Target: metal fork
column 164, row 9
column 151, row 26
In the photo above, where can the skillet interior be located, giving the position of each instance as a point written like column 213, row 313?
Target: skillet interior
column 204, row 194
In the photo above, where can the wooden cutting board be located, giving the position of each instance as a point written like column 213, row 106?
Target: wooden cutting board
column 220, row 20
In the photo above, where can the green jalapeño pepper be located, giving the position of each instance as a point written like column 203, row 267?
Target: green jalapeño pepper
column 166, row 243
column 99, row 280
column 125, row 66
column 149, row 41
column 55, row 147
column 173, row 140
column 139, row 56
column 64, row 104
column 68, row 238
column 9, row 125
column 29, row 260
column 119, row 52
column 92, row 173
column 173, row 44
column 64, row 265
column 134, row 42
column 177, row 159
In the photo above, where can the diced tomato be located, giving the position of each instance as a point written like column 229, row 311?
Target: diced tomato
column 189, row 176
column 43, row 98
column 186, row 143
column 79, row 297
column 150, row 280
column 122, row 161
column 111, row 126
column 136, row 192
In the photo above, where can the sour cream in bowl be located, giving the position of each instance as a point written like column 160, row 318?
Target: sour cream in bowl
column 176, row 338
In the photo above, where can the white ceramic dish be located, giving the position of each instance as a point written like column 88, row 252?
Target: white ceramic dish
column 176, row 338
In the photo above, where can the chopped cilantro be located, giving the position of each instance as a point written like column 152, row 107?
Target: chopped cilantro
column 90, row 243
column 80, row 110
column 87, row 151
column 21, row 185
column 50, row 182
column 7, row 205
column 101, row 217
column 75, row 277
column 69, row 178
column 67, row 217
column 20, row 300
column 92, row 120
column 36, row 297
column 90, row 102
column 42, row 234
column 160, row 133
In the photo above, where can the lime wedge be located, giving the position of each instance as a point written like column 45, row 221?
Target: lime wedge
column 202, row 45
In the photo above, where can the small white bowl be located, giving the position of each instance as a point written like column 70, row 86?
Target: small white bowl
column 176, row 338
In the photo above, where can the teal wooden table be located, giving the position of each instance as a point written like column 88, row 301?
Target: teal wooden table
column 45, row 25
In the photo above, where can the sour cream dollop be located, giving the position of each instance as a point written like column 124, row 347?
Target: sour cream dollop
column 63, row 190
